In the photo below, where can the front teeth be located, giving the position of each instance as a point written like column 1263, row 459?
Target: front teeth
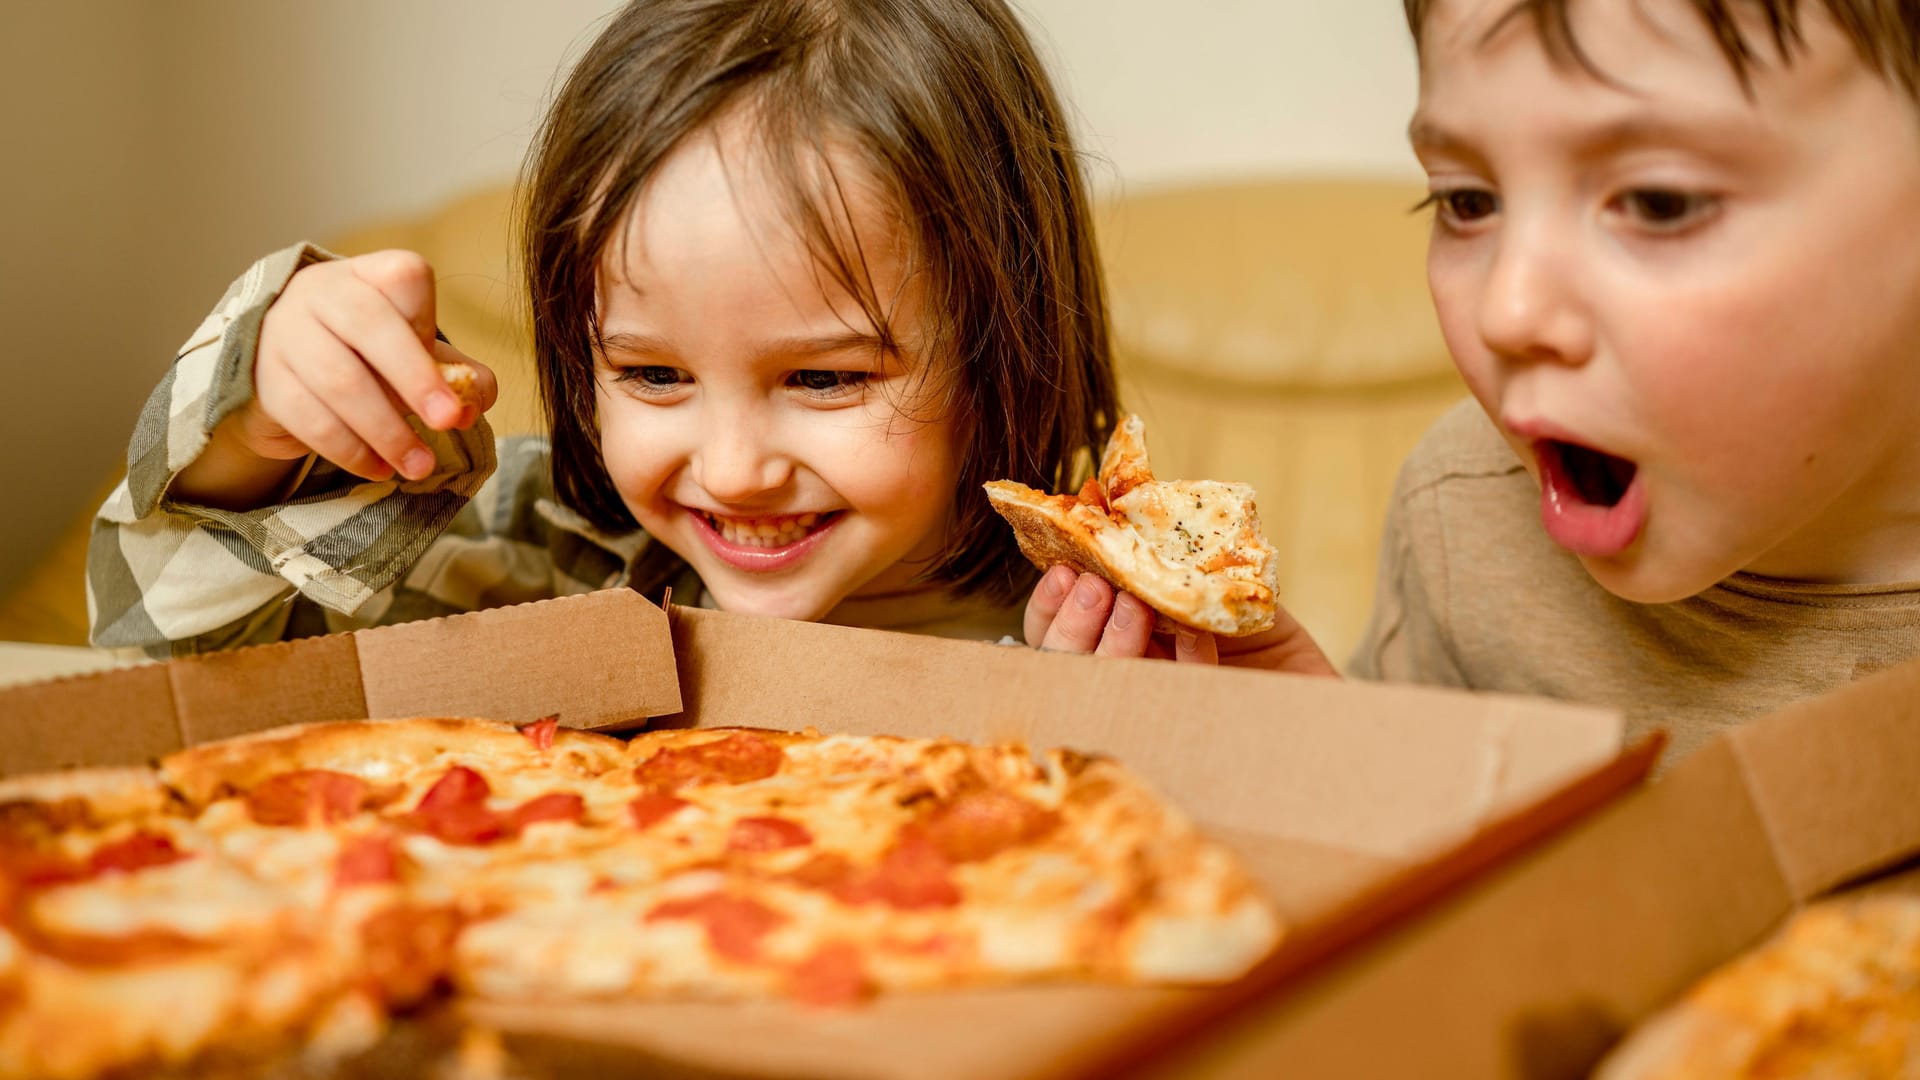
column 776, row 532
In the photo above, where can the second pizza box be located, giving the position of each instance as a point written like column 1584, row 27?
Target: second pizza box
column 1538, row 970
column 1350, row 802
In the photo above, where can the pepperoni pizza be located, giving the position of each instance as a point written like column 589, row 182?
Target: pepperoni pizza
column 298, row 887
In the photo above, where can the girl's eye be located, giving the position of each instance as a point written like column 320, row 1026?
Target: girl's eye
column 1665, row 209
column 1460, row 207
column 827, row 383
column 653, row 378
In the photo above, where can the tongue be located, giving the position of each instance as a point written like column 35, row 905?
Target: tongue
column 1600, row 479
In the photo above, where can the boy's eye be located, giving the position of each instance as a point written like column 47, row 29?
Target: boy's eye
column 826, row 383
column 1664, row 208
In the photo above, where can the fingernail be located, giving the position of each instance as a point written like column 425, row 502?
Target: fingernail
column 1086, row 595
column 1058, row 581
column 1185, row 640
column 417, row 463
column 1122, row 613
column 443, row 409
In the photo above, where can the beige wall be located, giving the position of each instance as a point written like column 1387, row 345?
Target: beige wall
column 152, row 149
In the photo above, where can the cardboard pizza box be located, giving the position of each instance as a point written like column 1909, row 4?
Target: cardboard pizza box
column 1354, row 804
column 1538, row 969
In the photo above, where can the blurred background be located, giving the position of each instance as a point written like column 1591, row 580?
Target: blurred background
column 1250, row 155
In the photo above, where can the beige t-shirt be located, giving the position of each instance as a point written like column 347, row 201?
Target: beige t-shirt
column 1473, row 594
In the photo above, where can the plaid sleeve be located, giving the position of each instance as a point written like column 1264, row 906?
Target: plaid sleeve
column 172, row 578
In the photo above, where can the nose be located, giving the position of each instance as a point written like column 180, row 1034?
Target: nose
column 1531, row 309
column 738, row 458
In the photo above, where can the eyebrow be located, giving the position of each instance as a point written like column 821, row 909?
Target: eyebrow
column 803, row 346
column 1722, row 136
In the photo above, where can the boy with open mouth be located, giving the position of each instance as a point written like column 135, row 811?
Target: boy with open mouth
column 1670, row 258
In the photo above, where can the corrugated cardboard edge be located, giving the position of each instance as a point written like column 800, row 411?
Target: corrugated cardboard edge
column 1385, row 905
column 599, row 660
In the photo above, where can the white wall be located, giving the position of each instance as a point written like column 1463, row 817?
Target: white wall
column 151, row 150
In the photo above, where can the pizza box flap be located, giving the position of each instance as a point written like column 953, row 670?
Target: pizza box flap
column 1367, row 768
column 1836, row 780
column 1534, row 972
column 598, row 661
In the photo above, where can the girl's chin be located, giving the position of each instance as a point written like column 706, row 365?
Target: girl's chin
column 755, row 602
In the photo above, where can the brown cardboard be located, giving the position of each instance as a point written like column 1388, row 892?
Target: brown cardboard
column 1331, row 791
column 602, row 660
column 1535, row 971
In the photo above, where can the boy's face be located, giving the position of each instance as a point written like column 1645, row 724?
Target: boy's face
column 1695, row 314
column 748, row 416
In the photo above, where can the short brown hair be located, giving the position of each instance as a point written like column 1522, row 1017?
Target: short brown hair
column 1886, row 33
column 947, row 104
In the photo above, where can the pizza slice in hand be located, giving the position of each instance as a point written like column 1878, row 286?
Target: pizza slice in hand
column 1191, row 550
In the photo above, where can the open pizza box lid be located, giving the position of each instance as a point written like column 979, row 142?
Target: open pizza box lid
column 1355, row 804
column 1536, row 970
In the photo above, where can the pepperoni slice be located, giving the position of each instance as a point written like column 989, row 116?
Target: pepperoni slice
column 912, row 875
column 553, row 806
column 407, row 949
column 835, row 975
column 307, row 797
column 366, row 860
column 736, row 759
column 734, row 925
column 984, row 822
column 136, row 852
column 541, row 732
column 827, row 870
column 767, row 834
column 454, row 810
column 654, row 807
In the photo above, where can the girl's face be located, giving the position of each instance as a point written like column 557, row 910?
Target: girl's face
column 748, row 415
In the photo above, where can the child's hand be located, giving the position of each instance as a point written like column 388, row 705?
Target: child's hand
column 345, row 353
column 1082, row 613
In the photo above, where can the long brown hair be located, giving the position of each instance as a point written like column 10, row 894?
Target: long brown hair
column 946, row 104
column 1886, row 33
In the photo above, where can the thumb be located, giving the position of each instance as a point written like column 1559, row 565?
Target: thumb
column 470, row 380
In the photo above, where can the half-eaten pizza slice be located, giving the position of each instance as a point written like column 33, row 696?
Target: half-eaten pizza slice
column 1191, row 550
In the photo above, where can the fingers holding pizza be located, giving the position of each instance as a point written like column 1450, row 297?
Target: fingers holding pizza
column 1142, row 567
column 1082, row 612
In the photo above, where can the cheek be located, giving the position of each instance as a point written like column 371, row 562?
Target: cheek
column 1453, row 280
column 634, row 449
column 908, row 473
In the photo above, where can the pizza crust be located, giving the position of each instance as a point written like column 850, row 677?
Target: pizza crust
column 1190, row 550
column 1836, row 992
column 387, row 751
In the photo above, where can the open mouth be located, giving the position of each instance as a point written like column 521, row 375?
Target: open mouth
column 769, row 530
column 1598, row 479
column 1591, row 502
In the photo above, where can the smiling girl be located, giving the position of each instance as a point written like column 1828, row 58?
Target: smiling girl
column 802, row 275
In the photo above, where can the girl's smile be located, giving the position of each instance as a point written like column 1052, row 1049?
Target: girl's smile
column 766, row 543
